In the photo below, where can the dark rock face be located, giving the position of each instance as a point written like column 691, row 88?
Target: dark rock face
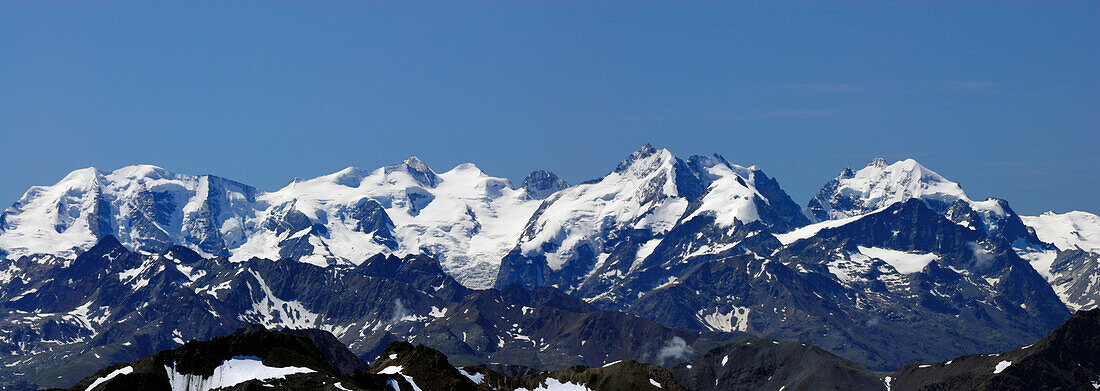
column 196, row 361
column 764, row 364
column 515, row 268
column 1009, row 227
column 822, row 290
column 294, row 230
column 816, row 208
column 541, row 184
column 100, row 221
column 322, row 363
column 1076, row 271
column 201, row 228
column 418, row 170
column 778, row 199
column 372, row 218
column 611, row 257
column 1067, row 359
column 419, row 271
column 111, row 305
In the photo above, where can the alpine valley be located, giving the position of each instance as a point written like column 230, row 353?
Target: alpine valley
column 666, row 273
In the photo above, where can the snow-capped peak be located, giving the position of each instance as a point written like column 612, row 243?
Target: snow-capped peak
column 144, row 206
column 648, row 193
column 880, row 184
column 417, row 169
column 143, row 171
column 729, row 197
column 644, row 161
column 641, row 192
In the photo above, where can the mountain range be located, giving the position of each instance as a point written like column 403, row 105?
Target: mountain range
column 657, row 261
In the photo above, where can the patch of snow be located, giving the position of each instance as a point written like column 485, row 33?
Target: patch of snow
column 1001, row 366
column 437, row 312
column 1040, row 260
column 121, row 371
column 552, row 384
column 231, row 372
column 390, row 370
column 812, row 229
column 645, row 250
column 903, row 262
column 476, row 377
column 273, row 312
column 736, row 319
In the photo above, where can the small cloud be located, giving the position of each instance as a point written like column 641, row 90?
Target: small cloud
column 399, row 313
column 676, row 349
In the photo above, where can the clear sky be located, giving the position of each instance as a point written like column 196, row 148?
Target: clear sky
column 1002, row 99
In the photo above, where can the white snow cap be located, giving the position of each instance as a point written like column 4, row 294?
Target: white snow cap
column 879, row 185
column 1067, row 231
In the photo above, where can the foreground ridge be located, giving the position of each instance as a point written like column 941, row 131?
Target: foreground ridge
column 313, row 359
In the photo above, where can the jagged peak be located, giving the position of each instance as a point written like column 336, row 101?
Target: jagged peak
column 880, row 184
column 107, row 243
column 643, row 154
column 708, row 161
column 417, row 169
column 541, row 183
column 415, row 163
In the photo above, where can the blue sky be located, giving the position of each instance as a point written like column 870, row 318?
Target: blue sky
column 1001, row 99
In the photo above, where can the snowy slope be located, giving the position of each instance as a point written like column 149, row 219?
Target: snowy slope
column 879, row 185
column 641, row 193
column 466, row 218
column 729, row 196
column 143, row 206
column 604, row 238
column 1073, row 266
column 1067, row 231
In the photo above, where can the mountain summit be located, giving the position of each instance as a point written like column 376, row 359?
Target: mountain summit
column 880, row 184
